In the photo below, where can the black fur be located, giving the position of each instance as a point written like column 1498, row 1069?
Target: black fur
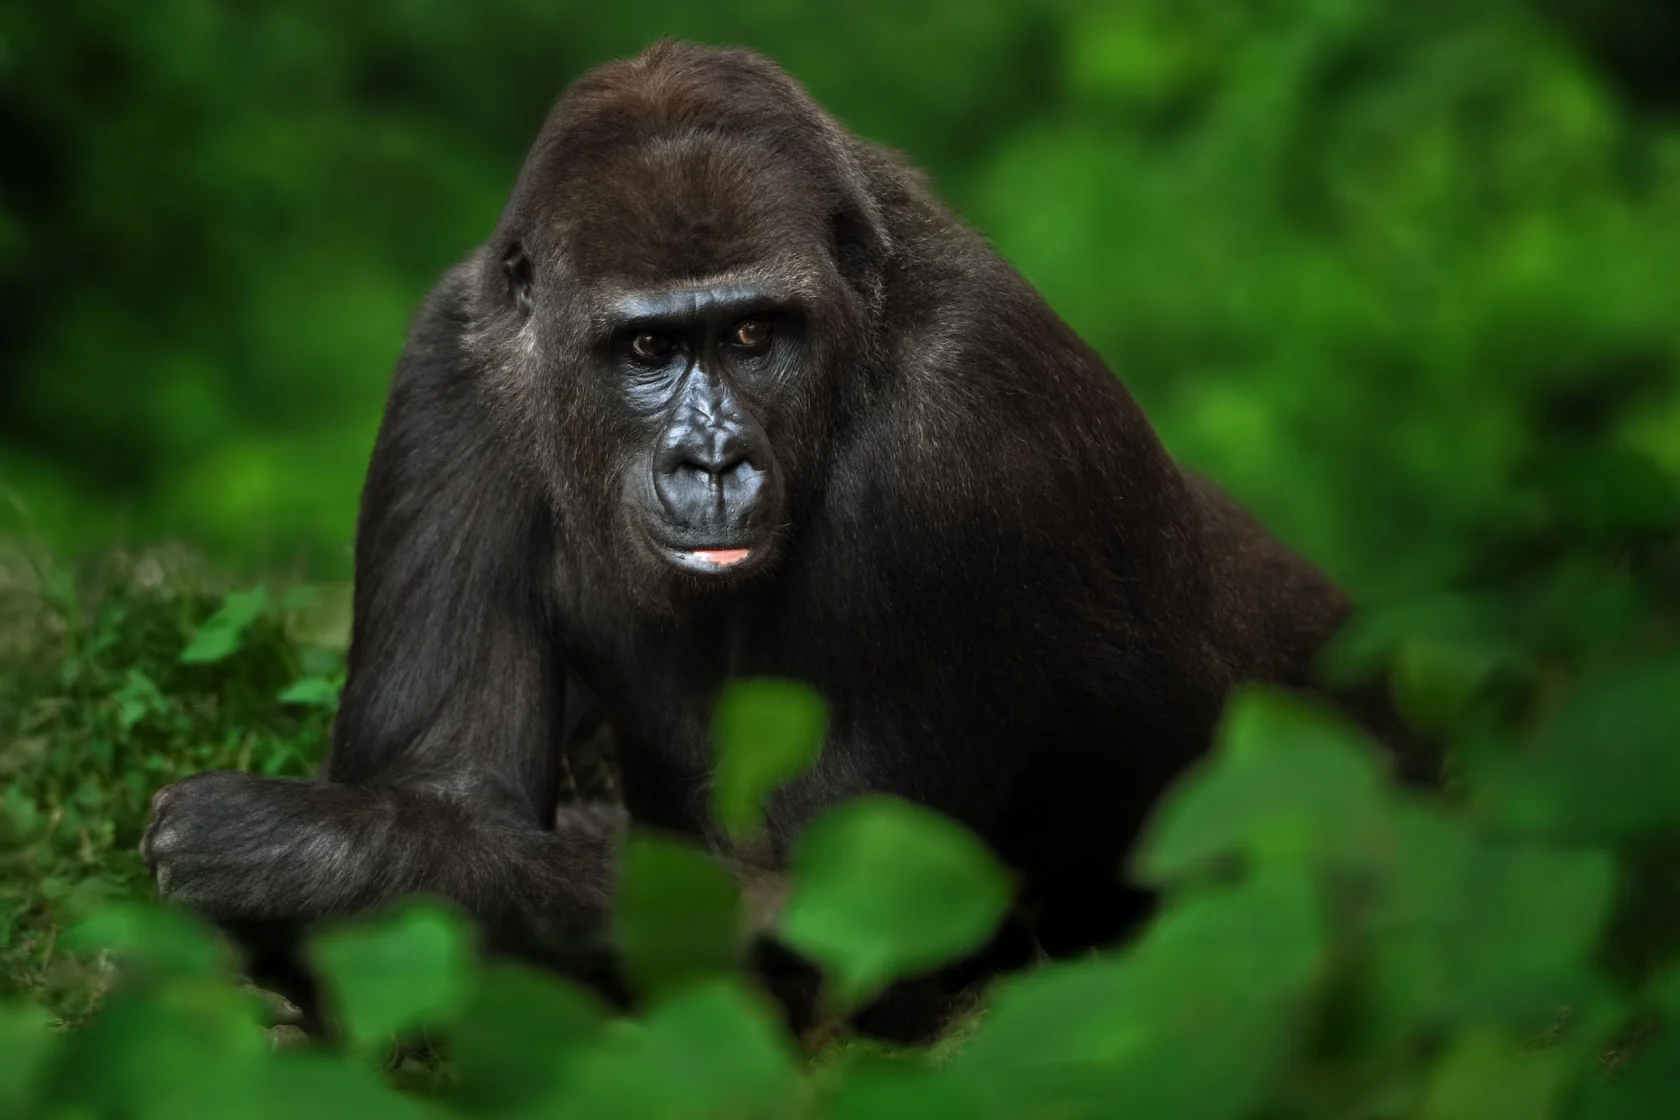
column 1021, row 611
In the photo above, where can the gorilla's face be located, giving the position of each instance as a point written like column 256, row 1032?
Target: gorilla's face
column 699, row 366
column 678, row 309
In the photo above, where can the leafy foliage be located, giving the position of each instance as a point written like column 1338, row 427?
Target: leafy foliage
column 98, row 709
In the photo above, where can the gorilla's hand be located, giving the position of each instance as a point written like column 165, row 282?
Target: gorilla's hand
column 238, row 846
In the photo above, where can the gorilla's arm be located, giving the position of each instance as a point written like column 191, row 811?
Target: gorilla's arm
column 443, row 774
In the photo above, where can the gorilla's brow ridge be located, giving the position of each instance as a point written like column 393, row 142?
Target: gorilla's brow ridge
column 755, row 289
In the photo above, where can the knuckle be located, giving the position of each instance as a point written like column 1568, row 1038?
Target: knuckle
column 158, row 842
column 162, row 798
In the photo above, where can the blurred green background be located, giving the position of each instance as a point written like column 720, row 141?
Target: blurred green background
column 1365, row 263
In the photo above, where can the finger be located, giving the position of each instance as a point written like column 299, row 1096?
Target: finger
column 161, row 838
column 148, row 850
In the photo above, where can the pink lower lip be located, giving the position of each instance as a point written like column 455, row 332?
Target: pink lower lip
column 722, row 557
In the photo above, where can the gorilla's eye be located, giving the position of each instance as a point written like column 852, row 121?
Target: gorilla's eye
column 751, row 334
column 652, row 347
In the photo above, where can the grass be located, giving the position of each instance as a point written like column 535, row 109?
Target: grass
column 98, row 709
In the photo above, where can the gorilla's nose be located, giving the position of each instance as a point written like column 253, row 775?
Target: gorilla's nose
column 706, row 476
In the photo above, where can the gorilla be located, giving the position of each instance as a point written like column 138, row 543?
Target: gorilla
column 728, row 392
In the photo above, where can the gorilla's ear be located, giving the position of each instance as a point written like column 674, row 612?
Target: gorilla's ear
column 857, row 227
column 516, row 269
column 860, row 246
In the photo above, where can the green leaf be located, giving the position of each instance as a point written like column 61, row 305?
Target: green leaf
column 1487, row 1074
column 156, row 941
column 1287, row 782
column 295, row 1084
column 137, row 698
column 1605, row 766
column 408, row 969
column 1473, row 931
column 766, row 732
column 677, row 914
column 884, row 889
column 906, row 1092
column 27, row 1045
column 189, row 1047
column 1435, row 684
column 713, row 1051
column 1370, row 641
column 220, row 635
column 317, row 692
column 1199, row 1019
column 518, row 1036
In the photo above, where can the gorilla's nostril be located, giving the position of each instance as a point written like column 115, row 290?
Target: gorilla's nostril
column 741, row 479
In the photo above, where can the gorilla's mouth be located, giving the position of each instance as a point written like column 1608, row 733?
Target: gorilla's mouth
column 721, row 557
column 713, row 560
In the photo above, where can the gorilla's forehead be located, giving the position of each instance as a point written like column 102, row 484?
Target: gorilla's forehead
column 681, row 209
